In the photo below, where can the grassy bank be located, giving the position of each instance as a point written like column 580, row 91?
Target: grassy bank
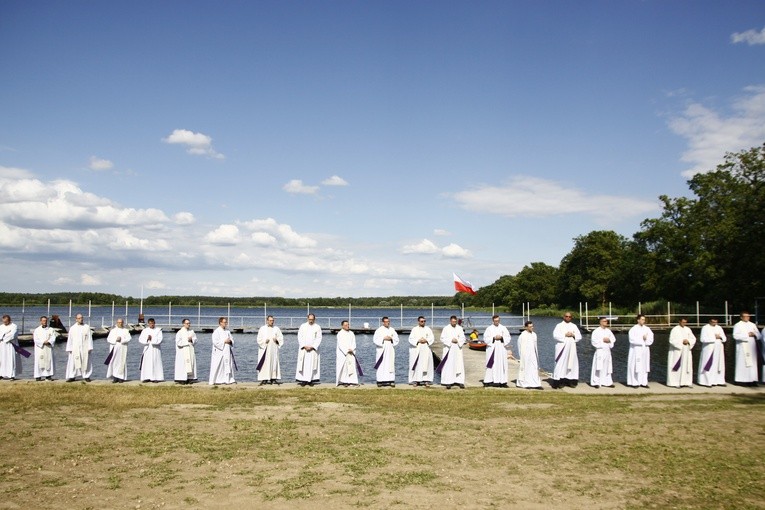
column 101, row 446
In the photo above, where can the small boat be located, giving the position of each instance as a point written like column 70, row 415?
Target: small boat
column 477, row 345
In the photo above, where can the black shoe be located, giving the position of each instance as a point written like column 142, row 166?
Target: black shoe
column 597, row 386
column 87, row 379
column 145, row 381
column 49, row 378
column 610, row 386
column 462, row 386
column 114, row 381
column 70, row 380
column 38, row 378
column 11, row 378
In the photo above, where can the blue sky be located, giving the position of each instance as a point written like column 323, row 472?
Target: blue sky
column 352, row 148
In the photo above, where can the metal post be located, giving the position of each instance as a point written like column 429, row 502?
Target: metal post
column 402, row 315
column 586, row 315
column 609, row 311
column 580, row 313
column 639, row 310
column 113, row 313
column 228, row 312
column 70, row 312
column 349, row 314
column 727, row 319
column 698, row 317
column 48, row 307
column 89, row 303
column 669, row 315
column 432, row 316
column 170, row 312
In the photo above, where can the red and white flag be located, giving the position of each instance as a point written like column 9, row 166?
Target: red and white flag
column 461, row 285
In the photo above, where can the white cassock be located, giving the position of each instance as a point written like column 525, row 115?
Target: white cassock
column 712, row 358
column 528, row 370
column 452, row 362
column 345, row 369
column 639, row 358
column 10, row 360
column 118, row 364
column 746, row 351
column 420, row 355
column 496, row 354
column 566, row 358
column 79, row 346
column 602, row 363
column 385, row 354
column 44, row 362
column 222, row 363
column 679, row 357
column 308, row 362
column 151, row 358
column 185, row 355
column 270, row 341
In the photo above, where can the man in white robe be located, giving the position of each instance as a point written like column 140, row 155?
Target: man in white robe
column 346, row 365
column 185, row 354
column 10, row 360
column 119, row 337
column 151, row 358
column 712, row 358
column 497, row 339
column 566, row 335
column 452, row 366
column 45, row 338
column 385, row 339
column 222, row 361
column 603, row 339
column 528, row 369
column 420, row 356
column 270, row 341
column 679, row 357
column 639, row 358
column 308, row 371
column 746, row 335
column 79, row 347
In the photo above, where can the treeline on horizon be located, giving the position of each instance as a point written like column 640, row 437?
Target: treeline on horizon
column 709, row 248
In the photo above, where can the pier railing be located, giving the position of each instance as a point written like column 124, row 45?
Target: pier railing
column 588, row 319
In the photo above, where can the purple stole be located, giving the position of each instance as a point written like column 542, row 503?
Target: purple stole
column 21, row 350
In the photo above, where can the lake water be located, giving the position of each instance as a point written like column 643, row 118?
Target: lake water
column 246, row 346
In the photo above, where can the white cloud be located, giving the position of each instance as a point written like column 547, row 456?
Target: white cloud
column 751, row 37
column 266, row 230
column 224, row 235
column 7, row 172
column 455, row 251
column 296, row 186
column 263, row 239
column 197, row 144
column 441, row 232
column 534, row 197
column 184, row 218
column 86, row 279
column 154, row 284
column 99, row 164
column 335, row 180
column 425, row 246
column 710, row 134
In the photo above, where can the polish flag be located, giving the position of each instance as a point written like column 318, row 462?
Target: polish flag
column 461, row 285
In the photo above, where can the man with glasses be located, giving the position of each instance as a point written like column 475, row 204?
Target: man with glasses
column 566, row 335
column 420, row 356
column 712, row 357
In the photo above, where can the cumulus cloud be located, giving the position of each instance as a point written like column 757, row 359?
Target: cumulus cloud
column 528, row 196
column 11, row 173
column 425, row 246
column 455, row 251
column 197, row 144
column 335, row 180
column 296, row 187
column 184, row 218
column 224, row 235
column 441, row 232
column 86, row 279
column 265, row 230
column 710, row 133
column 154, row 284
column 751, row 37
column 99, row 164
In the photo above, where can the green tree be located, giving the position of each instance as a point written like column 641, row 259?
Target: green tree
column 535, row 284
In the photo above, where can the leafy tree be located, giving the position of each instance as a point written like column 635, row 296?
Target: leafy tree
column 535, row 284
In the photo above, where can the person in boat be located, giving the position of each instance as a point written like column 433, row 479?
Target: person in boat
column 10, row 359
column 185, row 354
column 711, row 371
column 497, row 339
column 79, row 346
column 746, row 335
column 452, row 366
column 151, row 359
column 566, row 335
column 346, row 369
column 44, row 337
column 308, row 371
column 603, row 340
column 270, row 341
column 679, row 357
column 639, row 358
column 420, row 356
column 385, row 339
column 528, row 370
column 119, row 337
column 222, row 361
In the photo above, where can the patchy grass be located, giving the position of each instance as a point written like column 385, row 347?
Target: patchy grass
column 176, row 447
